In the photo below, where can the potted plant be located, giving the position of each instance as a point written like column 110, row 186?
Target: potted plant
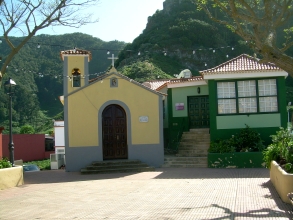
column 278, row 157
column 10, row 176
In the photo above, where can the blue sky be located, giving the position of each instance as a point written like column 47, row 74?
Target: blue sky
column 121, row 20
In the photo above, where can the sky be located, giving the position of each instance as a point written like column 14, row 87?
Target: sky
column 121, row 20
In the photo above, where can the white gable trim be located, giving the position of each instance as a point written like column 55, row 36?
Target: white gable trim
column 75, row 55
column 186, row 84
column 239, row 75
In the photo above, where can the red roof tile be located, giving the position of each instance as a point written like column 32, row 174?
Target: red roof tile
column 76, row 52
column 242, row 63
column 155, row 84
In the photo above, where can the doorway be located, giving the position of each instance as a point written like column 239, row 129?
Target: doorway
column 198, row 112
column 114, row 128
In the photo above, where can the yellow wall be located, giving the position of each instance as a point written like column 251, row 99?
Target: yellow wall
column 282, row 181
column 75, row 62
column 11, row 177
column 84, row 105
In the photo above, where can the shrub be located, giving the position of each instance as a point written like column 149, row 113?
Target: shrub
column 5, row 163
column 42, row 164
column 27, row 129
column 270, row 154
column 221, row 146
column 247, row 140
column 281, row 150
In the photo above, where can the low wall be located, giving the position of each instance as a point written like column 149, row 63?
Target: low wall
column 11, row 177
column 236, row 160
column 48, row 153
column 282, row 181
column 27, row 147
column 1, row 145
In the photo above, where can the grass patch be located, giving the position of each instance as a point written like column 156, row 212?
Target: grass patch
column 42, row 164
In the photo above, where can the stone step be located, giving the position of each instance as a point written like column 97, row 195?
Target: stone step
column 116, row 166
column 123, row 170
column 196, row 145
column 187, row 160
column 186, row 165
column 200, row 133
column 115, row 162
column 192, row 153
column 200, row 130
column 196, row 137
column 184, row 139
column 201, row 161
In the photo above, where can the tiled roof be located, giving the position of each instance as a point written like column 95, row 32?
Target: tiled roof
column 181, row 80
column 192, row 79
column 76, row 52
column 242, row 63
column 155, row 84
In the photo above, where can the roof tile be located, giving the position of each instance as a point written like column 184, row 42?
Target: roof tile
column 76, row 52
column 242, row 63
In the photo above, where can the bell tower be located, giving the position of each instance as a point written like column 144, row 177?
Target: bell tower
column 75, row 69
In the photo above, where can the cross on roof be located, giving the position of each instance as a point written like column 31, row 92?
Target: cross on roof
column 113, row 59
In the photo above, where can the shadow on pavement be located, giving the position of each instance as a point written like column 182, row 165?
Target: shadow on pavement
column 253, row 214
column 57, row 176
column 211, row 173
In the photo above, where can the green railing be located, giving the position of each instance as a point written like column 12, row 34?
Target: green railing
column 173, row 143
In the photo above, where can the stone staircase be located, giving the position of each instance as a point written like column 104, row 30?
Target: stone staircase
column 192, row 150
column 116, row 166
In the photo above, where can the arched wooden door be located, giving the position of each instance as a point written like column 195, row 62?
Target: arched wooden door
column 114, row 133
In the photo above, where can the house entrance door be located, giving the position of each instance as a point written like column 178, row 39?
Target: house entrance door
column 114, row 133
column 198, row 112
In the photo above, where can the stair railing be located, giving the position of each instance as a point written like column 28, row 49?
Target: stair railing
column 176, row 141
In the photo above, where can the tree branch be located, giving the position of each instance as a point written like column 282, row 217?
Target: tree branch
column 30, row 16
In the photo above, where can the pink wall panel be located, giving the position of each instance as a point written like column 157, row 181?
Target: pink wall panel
column 1, row 154
column 27, row 147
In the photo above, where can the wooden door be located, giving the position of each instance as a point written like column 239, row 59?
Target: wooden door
column 114, row 133
column 198, row 112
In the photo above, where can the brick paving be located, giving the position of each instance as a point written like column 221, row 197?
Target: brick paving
column 167, row 193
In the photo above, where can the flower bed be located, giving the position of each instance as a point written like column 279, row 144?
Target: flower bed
column 282, row 181
column 11, row 177
column 242, row 150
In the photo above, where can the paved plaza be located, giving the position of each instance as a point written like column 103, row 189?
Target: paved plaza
column 167, row 193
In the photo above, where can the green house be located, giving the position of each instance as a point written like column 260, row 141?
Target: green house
column 224, row 99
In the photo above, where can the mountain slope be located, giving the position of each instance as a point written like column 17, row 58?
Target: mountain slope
column 181, row 37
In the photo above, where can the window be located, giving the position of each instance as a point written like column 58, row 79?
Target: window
column 247, row 96
column 75, row 77
column 226, row 97
column 268, row 95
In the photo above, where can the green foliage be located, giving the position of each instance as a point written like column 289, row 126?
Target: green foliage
column 178, row 30
column 5, row 163
column 271, row 153
column 42, row 164
column 38, row 73
column 27, row 129
column 143, row 71
column 221, row 146
column 288, row 167
column 281, row 150
column 247, row 140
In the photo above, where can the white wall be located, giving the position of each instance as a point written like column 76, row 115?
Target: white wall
column 59, row 133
